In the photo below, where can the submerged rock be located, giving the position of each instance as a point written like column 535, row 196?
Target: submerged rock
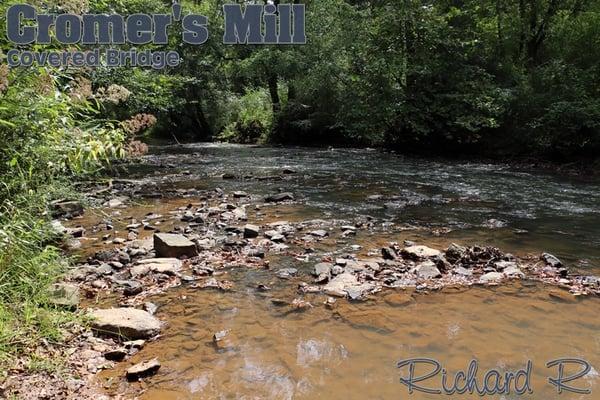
column 127, row 323
column 173, row 245
column 169, row 266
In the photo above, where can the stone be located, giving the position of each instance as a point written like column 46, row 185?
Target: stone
column 116, row 354
column 455, row 252
column 359, row 292
column 338, row 285
column 169, row 266
column 116, row 202
column 133, row 288
column 173, row 245
column 462, row 271
column 228, row 176
column 217, row 337
column 502, row 265
column 388, row 253
column 151, row 308
column 420, row 252
column 143, row 369
column 251, row 231
column 319, row 233
column 513, row 271
column 64, row 295
column 491, row 277
column 68, row 209
column 286, row 273
column 127, row 323
column 551, row 260
column 428, row 270
column 239, row 194
column 322, row 268
column 276, row 198
column 398, row 299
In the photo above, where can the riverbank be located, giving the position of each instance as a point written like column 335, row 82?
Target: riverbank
column 295, row 260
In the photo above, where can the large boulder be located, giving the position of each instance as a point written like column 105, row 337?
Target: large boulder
column 173, row 245
column 127, row 323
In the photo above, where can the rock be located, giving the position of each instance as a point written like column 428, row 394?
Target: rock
column 116, row 202
column 64, row 295
column 322, row 268
column 462, row 271
column 359, row 292
column 502, row 265
column 134, row 344
column 491, row 277
column 562, row 295
column 133, row 288
column 397, row 299
column 274, row 236
column 67, row 209
column 127, row 323
column 151, row 308
column 513, row 271
column 428, row 270
column 338, row 285
column 276, row 198
column 173, row 245
column 228, row 176
column 286, row 273
column 388, row 253
column 217, row 337
column 239, row 194
column 551, row 260
column 116, row 354
column 420, row 252
column 319, row 233
column 251, row 231
column 336, row 270
column 169, row 266
column 143, row 369
column 455, row 252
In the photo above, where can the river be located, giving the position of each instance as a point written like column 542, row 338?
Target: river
column 351, row 351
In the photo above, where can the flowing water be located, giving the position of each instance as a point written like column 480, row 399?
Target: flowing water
column 351, row 350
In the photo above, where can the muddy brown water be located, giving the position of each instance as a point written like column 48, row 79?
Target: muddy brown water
column 350, row 351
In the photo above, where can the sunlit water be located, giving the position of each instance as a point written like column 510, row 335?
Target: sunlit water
column 351, row 350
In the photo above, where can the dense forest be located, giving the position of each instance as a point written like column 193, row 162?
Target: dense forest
column 493, row 78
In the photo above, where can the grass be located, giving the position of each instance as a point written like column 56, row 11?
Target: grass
column 29, row 265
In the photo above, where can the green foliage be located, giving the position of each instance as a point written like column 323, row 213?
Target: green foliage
column 247, row 119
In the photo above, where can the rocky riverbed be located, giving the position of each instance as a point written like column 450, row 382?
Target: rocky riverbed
column 141, row 239
column 128, row 258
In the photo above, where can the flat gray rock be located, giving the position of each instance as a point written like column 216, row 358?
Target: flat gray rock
column 127, row 323
column 143, row 369
column 173, row 245
column 420, row 252
column 491, row 277
column 428, row 270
